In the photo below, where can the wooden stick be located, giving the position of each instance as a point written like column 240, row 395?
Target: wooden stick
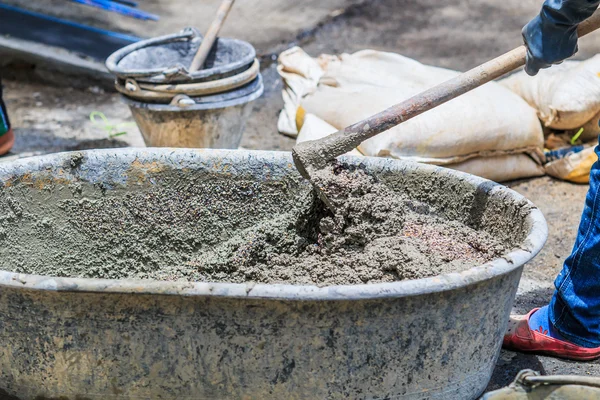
column 211, row 36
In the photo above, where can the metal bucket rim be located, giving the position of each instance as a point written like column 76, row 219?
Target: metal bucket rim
column 532, row 244
column 199, row 106
column 156, row 75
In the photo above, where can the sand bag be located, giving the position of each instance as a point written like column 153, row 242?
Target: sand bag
column 489, row 123
column 566, row 96
column 573, row 167
column 591, row 129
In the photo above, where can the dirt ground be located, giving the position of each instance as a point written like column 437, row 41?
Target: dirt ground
column 456, row 34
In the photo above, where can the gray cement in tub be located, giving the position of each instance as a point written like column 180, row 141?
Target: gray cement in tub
column 437, row 337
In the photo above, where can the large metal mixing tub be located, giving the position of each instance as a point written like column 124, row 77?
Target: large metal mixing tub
column 435, row 338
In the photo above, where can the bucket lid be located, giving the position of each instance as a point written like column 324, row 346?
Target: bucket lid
column 167, row 58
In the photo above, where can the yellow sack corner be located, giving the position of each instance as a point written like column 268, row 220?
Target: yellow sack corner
column 574, row 167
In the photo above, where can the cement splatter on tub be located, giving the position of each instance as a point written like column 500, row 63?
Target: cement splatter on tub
column 193, row 227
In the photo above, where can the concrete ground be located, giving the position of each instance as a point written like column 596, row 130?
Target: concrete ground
column 455, row 34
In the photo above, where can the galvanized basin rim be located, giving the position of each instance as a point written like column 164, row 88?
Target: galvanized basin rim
column 533, row 243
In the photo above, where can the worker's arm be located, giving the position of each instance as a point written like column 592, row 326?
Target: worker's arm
column 551, row 37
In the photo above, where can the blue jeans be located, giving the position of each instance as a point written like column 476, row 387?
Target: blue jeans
column 575, row 307
column 4, row 123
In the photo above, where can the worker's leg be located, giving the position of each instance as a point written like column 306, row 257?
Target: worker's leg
column 569, row 326
column 7, row 137
column 575, row 308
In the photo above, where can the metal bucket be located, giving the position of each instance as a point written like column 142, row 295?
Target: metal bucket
column 216, row 121
column 68, row 338
column 165, row 59
column 174, row 107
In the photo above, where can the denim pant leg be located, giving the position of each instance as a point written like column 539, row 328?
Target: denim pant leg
column 4, row 123
column 575, row 306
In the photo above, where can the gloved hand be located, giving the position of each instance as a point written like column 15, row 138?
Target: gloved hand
column 551, row 37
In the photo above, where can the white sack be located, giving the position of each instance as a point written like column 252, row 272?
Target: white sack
column 565, row 96
column 491, row 121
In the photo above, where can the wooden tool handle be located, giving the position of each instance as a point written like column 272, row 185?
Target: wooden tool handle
column 315, row 154
column 211, row 35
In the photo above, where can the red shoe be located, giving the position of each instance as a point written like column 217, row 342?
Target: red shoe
column 520, row 337
column 6, row 142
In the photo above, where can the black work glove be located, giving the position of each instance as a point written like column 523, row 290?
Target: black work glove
column 551, row 37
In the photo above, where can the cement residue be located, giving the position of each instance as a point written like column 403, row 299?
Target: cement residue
column 217, row 229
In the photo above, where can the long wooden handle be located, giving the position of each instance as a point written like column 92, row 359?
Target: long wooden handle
column 211, row 35
column 315, row 154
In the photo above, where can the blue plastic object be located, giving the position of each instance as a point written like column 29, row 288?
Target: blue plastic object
column 127, row 3
column 35, row 27
column 553, row 155
column 123, row 7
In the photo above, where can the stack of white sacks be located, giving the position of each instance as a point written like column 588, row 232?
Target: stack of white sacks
column 493, row 131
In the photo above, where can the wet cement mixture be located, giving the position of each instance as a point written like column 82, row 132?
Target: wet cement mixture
column 207, row 228
column 372, row 237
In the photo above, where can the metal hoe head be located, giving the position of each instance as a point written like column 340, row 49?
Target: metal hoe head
column 307, row 162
